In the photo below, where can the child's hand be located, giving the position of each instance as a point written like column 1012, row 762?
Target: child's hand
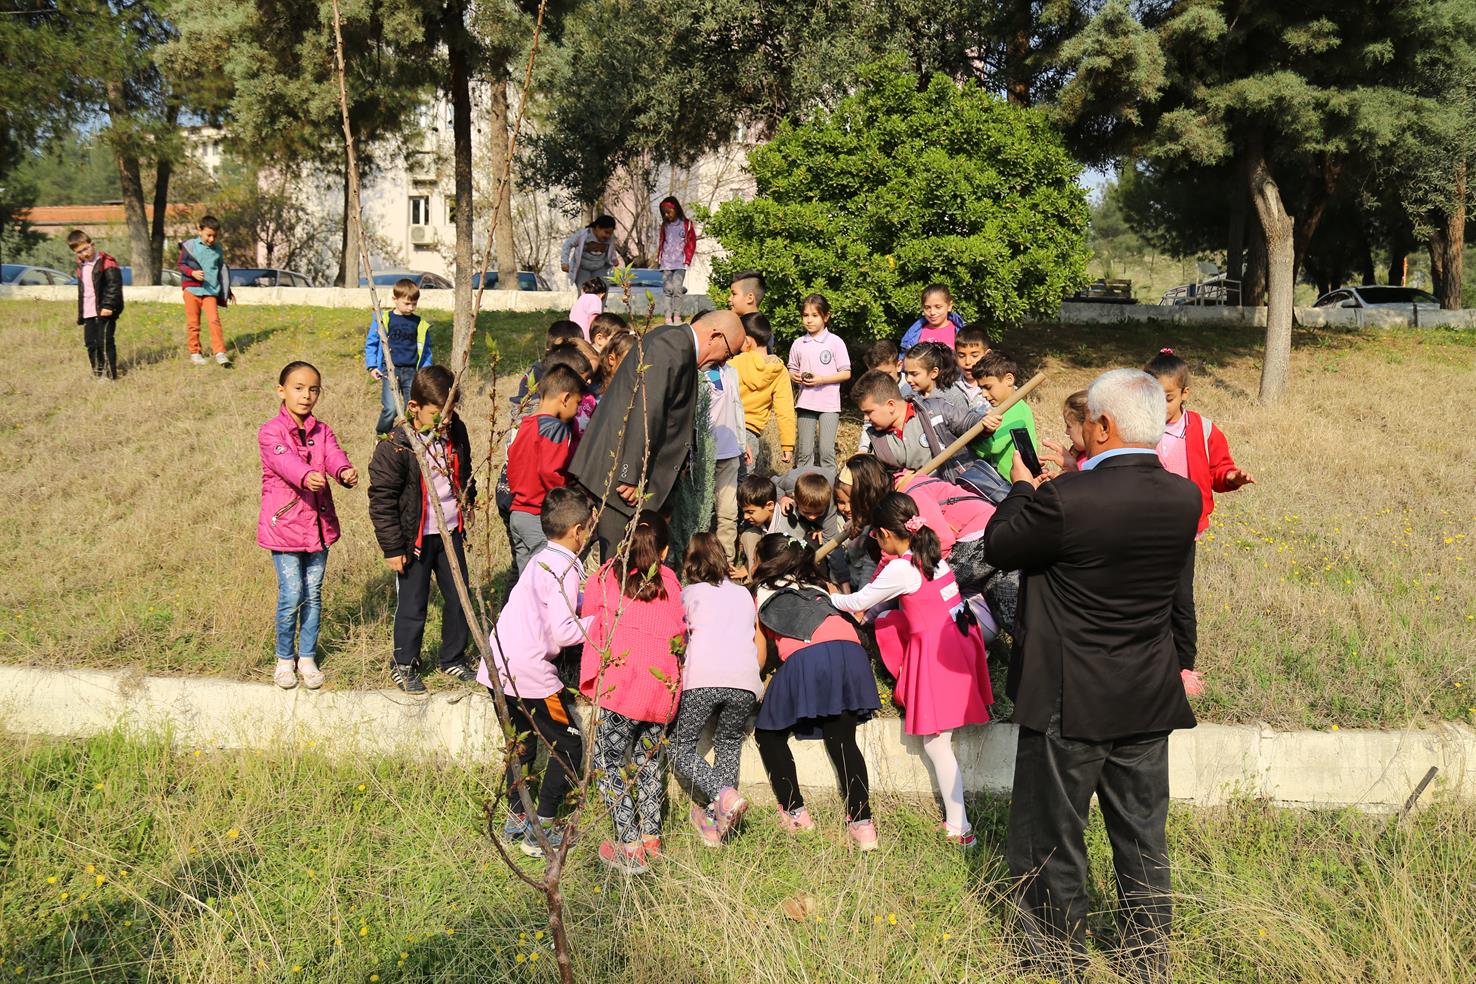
column 797, row 376
column 737, row 572
column 904, row 479
column 105, row 313
column 1235, row 478
column 315, row 482
column 992, row 420
column 349, row 477
column 785, row 502
column 1054, row 453
column 396, row 564
column 376, row 373
column 787, row 457
column 1193, row 682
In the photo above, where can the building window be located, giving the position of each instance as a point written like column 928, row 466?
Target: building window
column 420, row 210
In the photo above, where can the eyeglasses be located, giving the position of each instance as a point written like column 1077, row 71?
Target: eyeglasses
column 726, row 346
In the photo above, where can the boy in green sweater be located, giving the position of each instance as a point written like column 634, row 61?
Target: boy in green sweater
column 995, row 374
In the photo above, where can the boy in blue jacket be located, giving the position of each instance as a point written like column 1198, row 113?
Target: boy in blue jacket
column 409, row 349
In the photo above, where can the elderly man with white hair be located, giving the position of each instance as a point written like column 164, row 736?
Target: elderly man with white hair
column 1094, row 674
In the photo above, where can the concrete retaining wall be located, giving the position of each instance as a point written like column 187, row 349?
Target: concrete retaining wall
column 562, row 300
column 1374, row 770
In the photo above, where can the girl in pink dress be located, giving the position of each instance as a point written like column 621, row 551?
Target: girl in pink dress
column 931, row 644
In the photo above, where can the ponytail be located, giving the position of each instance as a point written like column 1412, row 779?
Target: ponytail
column 898, row 515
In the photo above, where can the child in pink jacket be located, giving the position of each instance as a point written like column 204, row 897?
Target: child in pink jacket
column 299, row 454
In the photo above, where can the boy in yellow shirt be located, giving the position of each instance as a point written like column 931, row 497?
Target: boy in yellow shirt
column 764, row 387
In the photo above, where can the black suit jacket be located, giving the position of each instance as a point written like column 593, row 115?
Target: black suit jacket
column 661, row 371
column 1101, row 553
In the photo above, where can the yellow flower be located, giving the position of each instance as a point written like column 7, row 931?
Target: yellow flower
column 532, row 958
column 97, row 785
column 404, row 955
column 90, row 868
column 1335, row 727
column 947, row 937
column 100, row 879
column 233, row 833
column 362, row 787
column 363, row 930
column 297, row 968
column 66, row 895
column 1261, row 933
column 538, row 935
column 373, row 977
column 51, row 879
column 891, row 919
column 521, row 958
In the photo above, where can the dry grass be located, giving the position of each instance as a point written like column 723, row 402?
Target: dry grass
column 1336, row 592
column 123, row 859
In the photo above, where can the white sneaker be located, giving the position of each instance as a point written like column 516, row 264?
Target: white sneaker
column 312, row 677
column 221, row 359
column 199, row 359
column 285, row 677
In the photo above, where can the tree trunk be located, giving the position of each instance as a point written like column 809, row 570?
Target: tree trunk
column 455, row 34
column 500, row 141
column 155, row 265
column 1326, row 175
column 1398, row 258
column 1254, row 288
column 1447, row 246
column 130, row 176
column 349, row 263
column 1017, row 81
column 1365, row 252
column 1279, row 232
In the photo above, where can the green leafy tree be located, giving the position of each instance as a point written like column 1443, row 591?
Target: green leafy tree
column 900, row 186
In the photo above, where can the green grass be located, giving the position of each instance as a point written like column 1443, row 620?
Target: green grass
column 1337, row 591
column 125, row 859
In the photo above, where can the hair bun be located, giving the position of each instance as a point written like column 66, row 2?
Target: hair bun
column 1165, row 351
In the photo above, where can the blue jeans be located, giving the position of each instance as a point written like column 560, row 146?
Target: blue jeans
column 387, row 412
column 299, row 592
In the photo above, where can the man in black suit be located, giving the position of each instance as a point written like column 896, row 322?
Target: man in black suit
column 641, row 434
column 1095, row 675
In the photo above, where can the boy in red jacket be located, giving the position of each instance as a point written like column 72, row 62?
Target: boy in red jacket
column 538, row 459
column 99, row 302
column 1194, row 448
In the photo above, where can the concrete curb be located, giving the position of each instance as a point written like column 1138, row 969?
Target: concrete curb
column 1370, row 770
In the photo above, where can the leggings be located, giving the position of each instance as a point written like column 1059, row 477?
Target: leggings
column 733, row 708
column 552, row 718
column 939, row 750
column 630, row 757
column 839, row 735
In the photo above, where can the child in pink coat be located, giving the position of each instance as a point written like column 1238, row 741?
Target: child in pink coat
column 299, row 454
column 631, row 669
column 932, row 645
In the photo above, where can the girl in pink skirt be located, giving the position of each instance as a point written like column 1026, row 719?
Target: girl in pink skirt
column 931, row 644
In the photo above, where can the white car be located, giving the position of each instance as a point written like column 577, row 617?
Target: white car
column 1375, row 296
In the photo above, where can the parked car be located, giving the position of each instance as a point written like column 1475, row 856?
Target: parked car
column 641, row 278
column 167, row 278
column 527, row 280
column 24, row 275
column 1374, row 296
column 264, row 277
column 427, row 281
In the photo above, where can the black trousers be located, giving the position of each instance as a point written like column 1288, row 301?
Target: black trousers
column 102, row 352
column 610, row 529
column 412, row 590
column 1183, row 618
column 553, row 718
column 1054, row 781
column 839, row 735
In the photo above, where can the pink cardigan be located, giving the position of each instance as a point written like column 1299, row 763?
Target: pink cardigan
column 639, row 635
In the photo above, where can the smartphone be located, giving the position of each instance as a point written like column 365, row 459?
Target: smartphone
column 1021, row 437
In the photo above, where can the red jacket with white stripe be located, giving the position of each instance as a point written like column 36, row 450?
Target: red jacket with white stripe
column 1208, row 454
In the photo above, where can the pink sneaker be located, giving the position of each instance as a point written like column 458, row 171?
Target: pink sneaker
column 863, row 832
column 650, row 848
column 730, row 806
column 797, row 821
column 706, row 827
column 628, row 858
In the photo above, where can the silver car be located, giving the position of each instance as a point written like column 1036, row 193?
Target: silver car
column 1376, row 296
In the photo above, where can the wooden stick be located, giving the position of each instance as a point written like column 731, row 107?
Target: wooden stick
column 948, row 453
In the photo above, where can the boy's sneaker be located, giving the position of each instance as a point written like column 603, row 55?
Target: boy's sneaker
column 863, row 832
column 221, row 359
column 406, row 678
column 706, row 827
column 730, row 806
column 284, row 676
column 460, row 671
column 312, row 677
column 198, row 358
column 514, row 828
column 797, row 821
column 627, row 858
column 530, row 845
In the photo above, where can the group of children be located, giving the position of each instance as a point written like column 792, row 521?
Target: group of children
column 754, row 636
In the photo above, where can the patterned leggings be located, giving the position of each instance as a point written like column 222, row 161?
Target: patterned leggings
column 631, row 758
column 733, row 708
